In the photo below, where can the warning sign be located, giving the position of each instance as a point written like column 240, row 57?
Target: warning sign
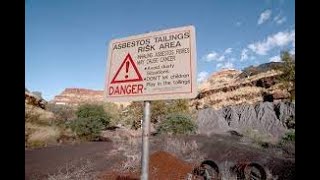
column 125, row 74
column 152, row 66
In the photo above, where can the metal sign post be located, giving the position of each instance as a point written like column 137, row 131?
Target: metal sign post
column 152, row 66
column 145, row 141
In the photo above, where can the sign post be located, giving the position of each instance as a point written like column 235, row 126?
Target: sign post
column 145, row 140
column 152, row 66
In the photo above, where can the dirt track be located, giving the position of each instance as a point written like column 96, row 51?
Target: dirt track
column 44, row 161
column 217, row 148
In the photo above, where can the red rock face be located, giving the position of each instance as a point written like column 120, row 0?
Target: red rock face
column 76, row 96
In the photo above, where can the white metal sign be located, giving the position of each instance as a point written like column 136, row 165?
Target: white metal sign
column 152, row 66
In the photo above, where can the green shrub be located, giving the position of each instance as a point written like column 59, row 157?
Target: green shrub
column 88, row 128
column 177, row 124
column 289, row 136
column 93, row 111
column 131, row 116
column 113, row 111
column 91, row 120
column 178, row 106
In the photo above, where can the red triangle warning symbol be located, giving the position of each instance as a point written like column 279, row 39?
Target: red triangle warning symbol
column 127, row 72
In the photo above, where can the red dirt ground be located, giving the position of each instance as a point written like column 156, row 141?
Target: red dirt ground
column 162, row 166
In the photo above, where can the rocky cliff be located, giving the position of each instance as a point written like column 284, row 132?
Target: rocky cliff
column 75, row 96
column 232, row 87
column 34, row 99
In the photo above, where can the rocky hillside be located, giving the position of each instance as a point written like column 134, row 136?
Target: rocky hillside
column 232, row 87
column 265, row 117
column 34, row 99
column 75, row 96
column 221, row 89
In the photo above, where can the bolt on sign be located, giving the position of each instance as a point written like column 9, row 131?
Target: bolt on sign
column 152, row 66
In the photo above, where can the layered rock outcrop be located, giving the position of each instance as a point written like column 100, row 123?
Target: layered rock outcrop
column 76, row 96
column 232, row 87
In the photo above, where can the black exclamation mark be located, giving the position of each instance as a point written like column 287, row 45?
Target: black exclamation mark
column 127, row 69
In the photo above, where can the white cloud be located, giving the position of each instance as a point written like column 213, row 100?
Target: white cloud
column 282, row 20
column 211, row 56
column 226, row 65
column 276, row 18
column 238, row 23
column 228, row 51
column 275, row 59
column 279, row 39
column 279, row 20
column 202, row 76
column 244, row 55
column 214, row 56
column 252, row 58
column 221, row 58
column 264, row 16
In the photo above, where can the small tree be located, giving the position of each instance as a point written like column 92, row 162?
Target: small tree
column 288, row 76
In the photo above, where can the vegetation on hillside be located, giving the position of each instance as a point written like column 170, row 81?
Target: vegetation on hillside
column 177, row 124
column 288, row 76
column 91, row 120
column 132, row 115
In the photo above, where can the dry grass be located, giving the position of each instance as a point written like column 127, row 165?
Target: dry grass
column 40, row 136
column 131, row 149
column 122, row 134
column 73, row 172
column 257, row 138
column 37, row 115
column 187, row 150
column 238, row 96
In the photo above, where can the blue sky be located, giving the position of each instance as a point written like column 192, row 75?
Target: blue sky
column 66, row 40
